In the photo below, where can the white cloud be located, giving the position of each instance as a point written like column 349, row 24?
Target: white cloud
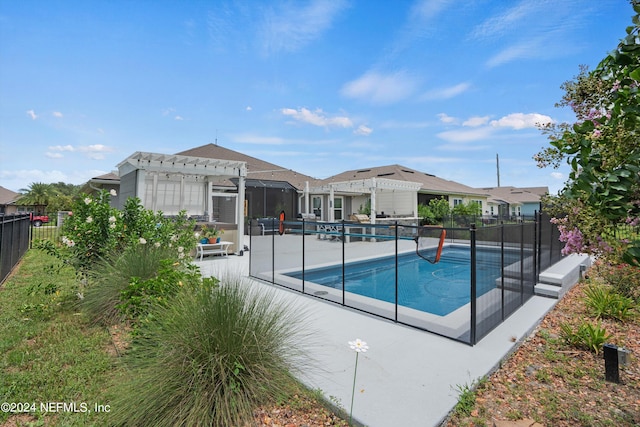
column 447, row 92
column 466, row 135
column 179, row 118
column 557, row 175
column 523, row 50
column 293, row 25
column 317, row 118
column 476, row 121
column 95, row 152
column 522, row 121
column 32, row 114
column 57, row 114
column 445, row 118
column 481, row 127
column 96, row 148
column 248, row 108
column 497, row 26
column 425, row 10
column 61, row 148
column 363, row 130
column 380, row 88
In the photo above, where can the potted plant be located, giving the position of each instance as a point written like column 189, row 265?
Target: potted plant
column 205, row 234
column 210, row 235
column 215, row 235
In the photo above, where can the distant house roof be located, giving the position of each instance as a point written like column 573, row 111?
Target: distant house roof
column 107, row 178
column 7, row 196
column 257, row 170
column 516, row 194
column 430, row 183
column 99, row 181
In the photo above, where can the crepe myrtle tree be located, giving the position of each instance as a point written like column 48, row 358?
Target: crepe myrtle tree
column 603, row 190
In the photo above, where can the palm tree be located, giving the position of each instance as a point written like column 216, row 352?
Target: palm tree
column 37, row 195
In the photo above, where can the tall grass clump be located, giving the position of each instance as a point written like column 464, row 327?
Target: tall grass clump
column 211, row 357
column 110, row 277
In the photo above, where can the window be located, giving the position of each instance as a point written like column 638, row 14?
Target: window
column 337, row 208
column 457, row 202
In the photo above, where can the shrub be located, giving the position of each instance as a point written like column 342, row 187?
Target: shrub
column 101, row 298
column 140, row 297
column 211, row 357
column 625, row 279
column 588, row 336
column 96, row 229
column 603, row 301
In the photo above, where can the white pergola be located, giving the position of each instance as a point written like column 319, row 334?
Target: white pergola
column 203, row 170
column 363, row 186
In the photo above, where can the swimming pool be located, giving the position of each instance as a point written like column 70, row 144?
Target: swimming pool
column 433, row 288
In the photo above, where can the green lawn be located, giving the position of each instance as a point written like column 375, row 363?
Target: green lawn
column 54, row 367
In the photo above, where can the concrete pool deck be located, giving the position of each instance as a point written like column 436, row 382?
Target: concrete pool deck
column 408, row 377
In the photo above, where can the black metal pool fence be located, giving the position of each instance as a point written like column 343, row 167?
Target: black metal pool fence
column 14, row 241
column 503, row 261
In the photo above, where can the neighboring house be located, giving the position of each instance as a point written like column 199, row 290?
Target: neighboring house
column 8, row 200
column 419, row 186
column 108, row 182
column 514, row 202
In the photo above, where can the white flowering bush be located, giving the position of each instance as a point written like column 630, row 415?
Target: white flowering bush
column 96, row 230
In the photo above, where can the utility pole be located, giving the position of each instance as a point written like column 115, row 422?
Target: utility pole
column 498, row 168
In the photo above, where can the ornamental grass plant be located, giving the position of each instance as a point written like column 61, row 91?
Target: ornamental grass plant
column 211, row 357
column 101, row 295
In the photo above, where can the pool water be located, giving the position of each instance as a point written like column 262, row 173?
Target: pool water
column 434, row 288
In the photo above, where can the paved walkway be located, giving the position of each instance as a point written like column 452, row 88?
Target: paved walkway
column 408, row 377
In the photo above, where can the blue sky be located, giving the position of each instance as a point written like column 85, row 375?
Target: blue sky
column 315, row 86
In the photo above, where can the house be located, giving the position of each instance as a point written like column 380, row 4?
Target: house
column 514, row 202
column 214, row 184
column 404, row 189
column 109, row 181
column 8, row 200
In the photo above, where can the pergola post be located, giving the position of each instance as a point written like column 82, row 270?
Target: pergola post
column 240, row 213
column 372, row 191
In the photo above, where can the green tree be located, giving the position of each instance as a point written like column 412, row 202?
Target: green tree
column 435, row 211
column 64, row 198
column 38, row 195
column 464, row 209
column 602, row 149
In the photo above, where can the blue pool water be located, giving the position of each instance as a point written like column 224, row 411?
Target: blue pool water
column 434, row 288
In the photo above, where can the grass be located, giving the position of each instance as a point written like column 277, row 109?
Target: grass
column 53, row 357
column 111, row 276
column 211, row 357
column 49, row 352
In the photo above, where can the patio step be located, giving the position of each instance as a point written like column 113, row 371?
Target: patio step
column 561, row 276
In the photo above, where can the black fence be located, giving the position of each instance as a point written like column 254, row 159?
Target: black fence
column 484, row 273
column 14, row 242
